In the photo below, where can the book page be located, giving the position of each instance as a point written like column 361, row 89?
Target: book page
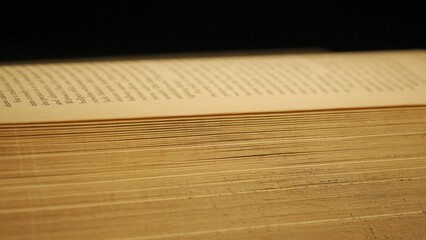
column 146, row 88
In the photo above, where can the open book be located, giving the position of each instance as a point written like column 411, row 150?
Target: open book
column 305, row 145
column 123, row 89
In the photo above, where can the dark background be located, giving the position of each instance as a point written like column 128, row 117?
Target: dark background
column 64, row 29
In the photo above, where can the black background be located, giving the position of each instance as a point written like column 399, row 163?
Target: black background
column 64, row 29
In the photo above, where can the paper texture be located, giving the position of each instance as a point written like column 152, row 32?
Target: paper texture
column 95, row 90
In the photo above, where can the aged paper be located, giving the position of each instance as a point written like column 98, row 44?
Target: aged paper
column 118, row 89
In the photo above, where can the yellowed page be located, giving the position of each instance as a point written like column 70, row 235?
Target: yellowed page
column 118, row 89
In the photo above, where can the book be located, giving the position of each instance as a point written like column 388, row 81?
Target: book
column 273, row 146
